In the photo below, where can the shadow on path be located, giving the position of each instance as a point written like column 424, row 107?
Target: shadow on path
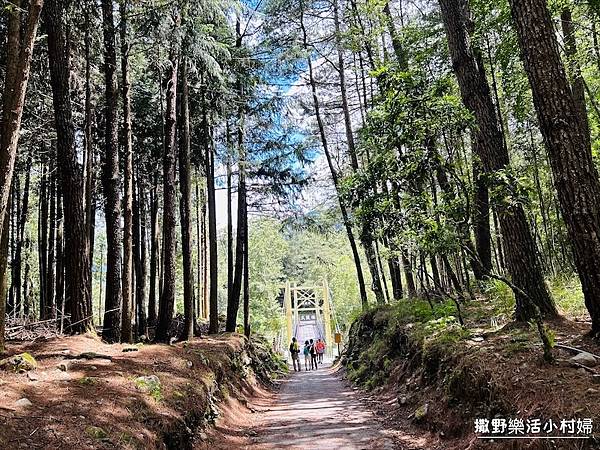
column 316, row 410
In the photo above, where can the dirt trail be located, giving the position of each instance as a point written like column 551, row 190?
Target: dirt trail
column 317, row 410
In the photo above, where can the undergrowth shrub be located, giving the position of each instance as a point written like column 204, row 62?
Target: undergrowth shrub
column 386, row 334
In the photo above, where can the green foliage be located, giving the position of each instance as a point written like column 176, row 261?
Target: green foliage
column 88, row 381
column 150, row 385
column 501, row 296
column 566, row 291
column 96, row 433
column 382, row 335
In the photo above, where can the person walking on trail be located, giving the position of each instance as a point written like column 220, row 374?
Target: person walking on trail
column 306, row 352
column 295, row 353
column 313, row 355
column 320, row 346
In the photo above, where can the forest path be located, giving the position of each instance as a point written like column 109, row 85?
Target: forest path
column 317, row 410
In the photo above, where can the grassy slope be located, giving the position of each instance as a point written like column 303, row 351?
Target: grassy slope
column 490, row 368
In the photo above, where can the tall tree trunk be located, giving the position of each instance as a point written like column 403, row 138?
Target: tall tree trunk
column 139, row 251
column 481, row 222
column 236, row 288
column 167, row 298
column 3, row 284
column 74, row 255
column 212, row 237
column 185, row 186
column 199, row 295
column 333, row 171
column 111, row 182
column 43, row 235
column 411, row 289
column 50, row 312
column 15, row 213
column 90, row 207
column 154, row 251
column 204, row 245
column 567, row 143
column 62, row 304
column 127, row 276
column 18, row 61
column 521, row 252
column 577, row 81
column 23, row 239
column 246, row 277
column 384, row 286
column 366, row 237
column 21, row 219
column 229, row 327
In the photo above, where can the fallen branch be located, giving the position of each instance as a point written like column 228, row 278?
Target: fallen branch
column 88, row 356
column 581, row 366
column 575, row 349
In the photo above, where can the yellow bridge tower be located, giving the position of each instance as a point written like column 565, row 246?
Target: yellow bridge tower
column 308, row 313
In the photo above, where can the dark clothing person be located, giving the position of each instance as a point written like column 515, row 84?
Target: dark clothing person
column 313, row 355
column 295, row 354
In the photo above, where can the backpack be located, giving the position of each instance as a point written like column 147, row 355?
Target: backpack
column 306, row 350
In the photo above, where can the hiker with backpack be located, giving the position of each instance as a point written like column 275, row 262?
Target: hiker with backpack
column 307, row 357
column 295, row 353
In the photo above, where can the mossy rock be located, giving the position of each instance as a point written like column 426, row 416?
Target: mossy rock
column 96, row 433
column 150, row 385
column 88, row 381
column 421, row 412
column 23, row 362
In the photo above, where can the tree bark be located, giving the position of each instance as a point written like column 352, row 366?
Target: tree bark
column 236, row 288
column 18, row 62
column 213, row 326
column 577, row 81
column 154, row 251
column 242, row 213
column 127, row 276
column 3, row 284
column 43, row 236
column 230, row 246
column 411, row 289
column 75, row 255
column 111, row 182
column 22, row 215
column 139, row 251
column 90, row 207
column 50, row 312
column 246, row 278
column 568, row 145
column 481, row 223
column 167, row 298
column 185, row 186
column 63, row 304
column 519, row 246
column 199, row 252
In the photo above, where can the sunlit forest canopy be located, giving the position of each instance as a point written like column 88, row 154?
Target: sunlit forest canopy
column 168, row 166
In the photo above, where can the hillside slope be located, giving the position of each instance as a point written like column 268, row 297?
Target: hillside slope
column 427, row 371
column 81, row 393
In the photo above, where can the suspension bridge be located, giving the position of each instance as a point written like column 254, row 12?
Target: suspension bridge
column 308, row 313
